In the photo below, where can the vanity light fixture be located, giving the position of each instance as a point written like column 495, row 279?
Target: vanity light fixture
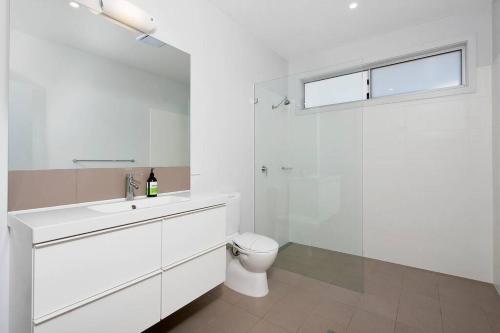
column 74, row 4
column 129, row 14
column 122, row 12
column 353, row 5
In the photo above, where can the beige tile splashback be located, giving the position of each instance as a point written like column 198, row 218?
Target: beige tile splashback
column 45, row 188
column 41, row 188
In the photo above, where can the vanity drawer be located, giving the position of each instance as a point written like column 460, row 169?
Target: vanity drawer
column 132, row 309
column 188, row 281
column 69, row 271
column 189, row 234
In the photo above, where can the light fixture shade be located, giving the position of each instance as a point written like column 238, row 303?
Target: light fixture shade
column 92, row 5
column 128, row 14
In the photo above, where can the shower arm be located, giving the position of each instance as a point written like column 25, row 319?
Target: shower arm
column 282, row 101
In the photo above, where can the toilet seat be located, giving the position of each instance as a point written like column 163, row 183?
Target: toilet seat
column 254, row 243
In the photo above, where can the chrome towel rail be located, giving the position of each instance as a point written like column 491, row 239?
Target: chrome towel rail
column 77, row 160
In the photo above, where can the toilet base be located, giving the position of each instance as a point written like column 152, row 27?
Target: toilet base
column 245, row 282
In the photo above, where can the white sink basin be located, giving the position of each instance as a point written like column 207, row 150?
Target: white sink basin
column 137, row 204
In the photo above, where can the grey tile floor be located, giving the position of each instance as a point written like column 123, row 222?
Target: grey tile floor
column 384, row 297
column 337, row 268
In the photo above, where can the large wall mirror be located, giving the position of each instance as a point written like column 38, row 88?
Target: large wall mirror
column 86, row 92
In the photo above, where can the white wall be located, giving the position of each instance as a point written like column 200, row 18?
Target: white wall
column 225, row 64
column 427, row 195
column 67, row 101
column 496, row 139
column 4, row 241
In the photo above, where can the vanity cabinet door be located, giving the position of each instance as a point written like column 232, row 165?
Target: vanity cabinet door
column 188, row 281
column 130, row 310
column 70, row 271
column 190, row 234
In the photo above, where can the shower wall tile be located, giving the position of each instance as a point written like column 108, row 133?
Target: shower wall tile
column 427, row 183
column 45, row 188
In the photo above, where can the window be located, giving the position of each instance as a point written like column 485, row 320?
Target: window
column 429, row 73
column 336, row 90
column 424, row 73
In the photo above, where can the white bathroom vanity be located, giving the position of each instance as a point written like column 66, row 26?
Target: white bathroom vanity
column 116, row 266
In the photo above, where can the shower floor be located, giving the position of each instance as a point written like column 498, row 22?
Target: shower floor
column 340, row 269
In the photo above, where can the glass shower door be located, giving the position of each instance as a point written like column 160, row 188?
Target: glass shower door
column 308, row 184
column 271, row 151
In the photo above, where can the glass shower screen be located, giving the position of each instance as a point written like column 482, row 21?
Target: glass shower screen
column 308, row 183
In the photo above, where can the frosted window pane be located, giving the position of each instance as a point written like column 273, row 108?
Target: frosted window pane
column 435, row 72
column 340, row 89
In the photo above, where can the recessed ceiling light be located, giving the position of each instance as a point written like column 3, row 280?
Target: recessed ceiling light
column 74, row 4
column 353, row 5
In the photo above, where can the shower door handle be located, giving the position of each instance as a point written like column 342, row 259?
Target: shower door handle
column 263, row 169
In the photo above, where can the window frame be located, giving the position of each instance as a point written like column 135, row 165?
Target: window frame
column 465, row 79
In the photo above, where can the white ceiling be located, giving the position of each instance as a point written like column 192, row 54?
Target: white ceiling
column 294, row 27
column 56, row 21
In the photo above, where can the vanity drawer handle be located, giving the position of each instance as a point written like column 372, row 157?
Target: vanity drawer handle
column 194, row 256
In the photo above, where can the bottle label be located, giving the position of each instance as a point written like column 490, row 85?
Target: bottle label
column 153, row 188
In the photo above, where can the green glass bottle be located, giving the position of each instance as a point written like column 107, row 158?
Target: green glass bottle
column 152, row 185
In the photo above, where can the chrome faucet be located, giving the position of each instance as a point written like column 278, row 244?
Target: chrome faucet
column 131, row 185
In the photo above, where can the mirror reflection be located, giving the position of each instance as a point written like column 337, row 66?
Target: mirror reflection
column 88, row 93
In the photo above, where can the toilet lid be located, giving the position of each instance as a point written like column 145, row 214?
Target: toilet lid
column 255, row 243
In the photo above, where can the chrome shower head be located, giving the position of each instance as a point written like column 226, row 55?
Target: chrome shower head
column 285, row 101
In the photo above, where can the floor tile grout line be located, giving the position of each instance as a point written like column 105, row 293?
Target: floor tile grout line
column 238, row 304
column 399, row 302
column 254, row 325
column 348, row 327
column 278, row 325
column 399, row 299
column 487, row 318
column 441, row 307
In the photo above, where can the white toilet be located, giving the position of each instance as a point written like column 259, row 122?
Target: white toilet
column 249, row 255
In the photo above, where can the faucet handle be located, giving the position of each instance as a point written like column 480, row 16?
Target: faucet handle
column 131, row 184
column 132, row 181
